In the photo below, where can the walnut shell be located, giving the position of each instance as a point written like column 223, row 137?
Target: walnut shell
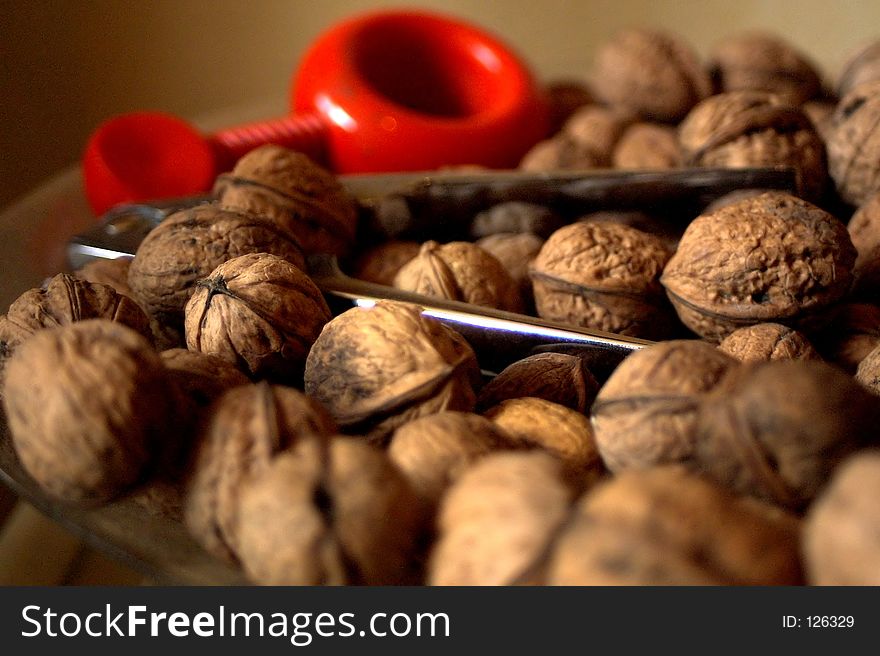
column 851, row 334
column 557, row 377
column 759, row 61
column 381, row 263
column 842, row 526
column 563, row 432
column 597, row 129
column 645, row 413
column 861, row 66
column 868, row 371
column 377, row 368
column 752, row 128
column 559, row 153
column 343, row 516
column 246, row 428
column 647, row 146
column 433, row 451
column 287, row 186
column 769, row 258
column 108, row 272
column 202, row 377
column 257, row 311
column 564, row 97
column 189, row 244
column 864, row 230
column 515, row 216
column 768, row 341
column 460, row 271
column 496, row 522
column 515, row 251
column 88, row 409
column 775, row 430
column 604, row 276
column 666, row 526
column 64, row 300
column 650, row 72
column 853, row 143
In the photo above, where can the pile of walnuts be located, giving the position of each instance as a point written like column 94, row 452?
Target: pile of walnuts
column 208, row 380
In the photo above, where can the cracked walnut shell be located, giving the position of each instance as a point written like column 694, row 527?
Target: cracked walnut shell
column 89, row 408
column 769, row 258
column 460, row 271
column 259, row 312
column 604, row 276
column 377, row 368
column 288, row 187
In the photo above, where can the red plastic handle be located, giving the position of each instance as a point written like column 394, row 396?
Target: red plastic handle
column 397, row 90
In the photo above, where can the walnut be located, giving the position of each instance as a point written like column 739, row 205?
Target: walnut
column 752, row 128
column 377, row 368
column 647, row 146
column 645, row 413
column 257, row 311
column 88, row 409
column 861, row 66
column 515, row 251
column 768, row 341
column 64, row 300
column 188, row 245
column 563, row 432
column 851, row 334
column 667, row 231
column 864, row 230
column 842, row 526
column 496, row 521
column 666, row 526
column 381, row 263
column 460, row 271
column 758, row 61
column 559, row 153
column 819, row 112
column 603, row 276
column 246, row 428
column 868, row 371
column 308, row 200
column 108, row 272
column 202, row 377
column 769, row 258
column 565, row 96
column 853, row 143
column 558, row 377
column 433, row 451
column 649, row 72
column 775, row 430
column 340, row 516
column 515, row 216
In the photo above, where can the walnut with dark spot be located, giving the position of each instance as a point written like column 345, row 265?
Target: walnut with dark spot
column 259, row 312
column 377, row 368
column 303, row 197
column 191, row 243
column 852, row 138
column 604, row 276
column 776, row 430
column 89, row 409
column 645, row 413
column 557, row 377
column 340, row 516
column 768, row 341
column 768, row 258
column 752, row 128
column 653, row 73
column 246, row 428
column 460, row 271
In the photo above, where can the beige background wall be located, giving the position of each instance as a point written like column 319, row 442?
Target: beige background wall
column 66, row 65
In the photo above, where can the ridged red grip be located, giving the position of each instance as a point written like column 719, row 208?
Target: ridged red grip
column 305, row 133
